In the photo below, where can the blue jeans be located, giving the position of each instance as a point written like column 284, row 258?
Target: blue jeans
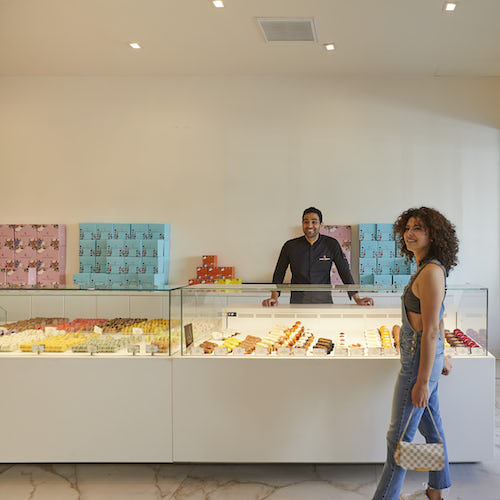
column 391, row 481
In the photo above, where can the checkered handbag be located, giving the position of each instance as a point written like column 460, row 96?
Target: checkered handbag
column 423, row 457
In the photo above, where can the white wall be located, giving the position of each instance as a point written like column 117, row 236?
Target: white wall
column 231, row 162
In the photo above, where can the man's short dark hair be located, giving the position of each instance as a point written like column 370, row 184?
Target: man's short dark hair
column 313, row 210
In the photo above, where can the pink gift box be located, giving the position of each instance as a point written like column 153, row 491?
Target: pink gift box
column 12, row 266
column 6, row 231
column 50, row 231
column 6, row 251
column 50, row 279
column 18, row 278
column 23, row 231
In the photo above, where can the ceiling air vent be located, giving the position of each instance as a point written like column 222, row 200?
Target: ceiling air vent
column 287, row 29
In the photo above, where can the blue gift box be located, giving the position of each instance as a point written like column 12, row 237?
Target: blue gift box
column 385, row 232
column 86, row 248
column 367, row 232
column 367, row 266
column 382, row 279
column 366, row 279
column 368, row 249
column 385, row 266
column 104, row 230
column 401, row 279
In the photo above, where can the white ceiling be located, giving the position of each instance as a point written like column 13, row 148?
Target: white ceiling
column 191, row 37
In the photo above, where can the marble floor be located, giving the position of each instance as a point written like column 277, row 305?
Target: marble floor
column 479, row 481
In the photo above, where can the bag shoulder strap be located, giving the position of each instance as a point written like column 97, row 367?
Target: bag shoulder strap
column 409, row 418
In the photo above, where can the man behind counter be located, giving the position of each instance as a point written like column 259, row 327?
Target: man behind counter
column 310, row 259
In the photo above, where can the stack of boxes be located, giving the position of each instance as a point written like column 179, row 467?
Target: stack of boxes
column 123, row 255
column 32, row 255
column 210, row 273
column 380, row 260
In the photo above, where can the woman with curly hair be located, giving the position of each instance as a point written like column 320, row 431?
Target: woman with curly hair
column 427, row 235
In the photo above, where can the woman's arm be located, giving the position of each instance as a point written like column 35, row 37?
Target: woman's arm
column 430, row 289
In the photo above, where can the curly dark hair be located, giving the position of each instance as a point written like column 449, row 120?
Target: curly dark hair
column 444, row 241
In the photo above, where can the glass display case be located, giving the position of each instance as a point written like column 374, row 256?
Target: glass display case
column 74, row 321
column 230, row 320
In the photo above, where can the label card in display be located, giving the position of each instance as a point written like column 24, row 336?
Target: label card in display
column 232, row 314
column 188, row 334
column 319, row 351
column 357, row 351
column 340, row 351
column 389, row 351
column 97, row 329
column 152, row 349
column 462, row 351
column 239, row 351
column 220, row 350
column 477, row 351
column 37, row 349
column 262, row 351
column 134, row 349
column 50, row 329
column 450, row 350
column 137, row 331
column 283, row 350
column 375, row 351
column 92, row 349
column 197, row 351
column 299, row 351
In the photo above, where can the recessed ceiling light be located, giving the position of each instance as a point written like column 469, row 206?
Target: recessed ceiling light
column 329, row 46
column 450, row 6
column 134, row 45
column 218, row 3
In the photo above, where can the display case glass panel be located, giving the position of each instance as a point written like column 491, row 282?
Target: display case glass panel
column 230, row 320
column 82, row 322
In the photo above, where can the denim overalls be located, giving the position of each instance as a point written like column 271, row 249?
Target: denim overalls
column 391, row 481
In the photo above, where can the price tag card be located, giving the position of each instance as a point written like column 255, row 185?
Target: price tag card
column 450, row 350
column 262, row 351
column 134, row 348
column 50, row 329
column 389, row 351
column 375, row 351
column 37, row 349
column 152, row 348
column 220, row 350
column 196, row 350
column 477, row 351
column 137, row 331
column 300, row 351
column 319, row 351
column 340, row 351
column 284, row 350
column 239, row 351
column 97, row 329
column 462, row 351
column 357, row 351
column 92, row 349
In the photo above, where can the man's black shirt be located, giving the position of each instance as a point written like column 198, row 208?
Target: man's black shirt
column 311, row 264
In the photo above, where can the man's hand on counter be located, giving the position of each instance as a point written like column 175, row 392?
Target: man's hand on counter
column 273, row 301
column 363, row 301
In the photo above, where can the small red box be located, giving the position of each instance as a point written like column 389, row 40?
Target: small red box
column 209, row 261
column 226, row 272
column 201, row 271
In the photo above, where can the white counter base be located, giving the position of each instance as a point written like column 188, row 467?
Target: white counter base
column 85, row 409
column 194, row 409
column 316, row 410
